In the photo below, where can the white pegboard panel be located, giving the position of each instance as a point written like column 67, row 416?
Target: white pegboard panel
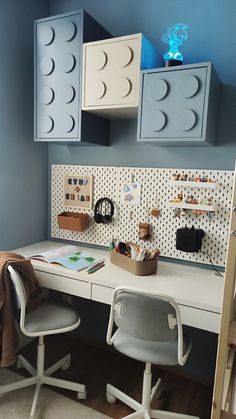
column 156, row 191
column 104, row 184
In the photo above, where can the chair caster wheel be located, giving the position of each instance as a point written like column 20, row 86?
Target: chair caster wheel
column 110, row 398
column 19, row 364
column 82, row 395
column 158, row 394
column 66, row 366
column 67, row 362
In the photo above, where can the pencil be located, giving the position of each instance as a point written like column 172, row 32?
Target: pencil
column 95, row 265
column 92, row 270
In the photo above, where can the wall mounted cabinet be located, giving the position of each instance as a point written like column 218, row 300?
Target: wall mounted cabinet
column 179, row 105
column 111, row 80
column 58, row 78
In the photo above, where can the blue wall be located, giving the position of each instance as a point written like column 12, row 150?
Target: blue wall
column 23, row 165
column 211, row 37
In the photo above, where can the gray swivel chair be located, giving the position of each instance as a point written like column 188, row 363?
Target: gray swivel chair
column 149, row 329
column 48, row 318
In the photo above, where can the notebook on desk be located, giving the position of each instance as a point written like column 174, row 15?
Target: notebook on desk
column 69, row 257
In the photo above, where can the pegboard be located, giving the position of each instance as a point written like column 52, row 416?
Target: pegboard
column 156, row 191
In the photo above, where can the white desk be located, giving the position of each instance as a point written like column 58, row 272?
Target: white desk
column 197, row 291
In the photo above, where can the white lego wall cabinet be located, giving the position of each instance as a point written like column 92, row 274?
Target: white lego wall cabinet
column 111, row 76
column 179, row 105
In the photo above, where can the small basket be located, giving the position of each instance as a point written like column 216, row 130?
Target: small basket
column 75, row 221
column 135, row 267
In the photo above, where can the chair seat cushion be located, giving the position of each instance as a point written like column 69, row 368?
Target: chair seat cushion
column 160, row 353
column 50, row 316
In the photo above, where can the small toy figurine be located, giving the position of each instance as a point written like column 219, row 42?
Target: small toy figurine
column 183, row 212
column 209, row 200
column 176, row 176
column 177, row 212
column 210, row 215
column 189, row 199
column 174, row 37
column 198, row 212
column 203, row 179
column 179, row 197
column 184, row 177
column 197, row 179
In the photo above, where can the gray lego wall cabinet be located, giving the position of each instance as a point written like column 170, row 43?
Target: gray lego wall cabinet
column 179, row 105
column 58, row 79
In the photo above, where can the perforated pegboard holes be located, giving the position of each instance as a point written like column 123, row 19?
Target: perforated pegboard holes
column 155, row 191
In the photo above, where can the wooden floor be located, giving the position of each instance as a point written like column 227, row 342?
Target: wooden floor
column 95, row 366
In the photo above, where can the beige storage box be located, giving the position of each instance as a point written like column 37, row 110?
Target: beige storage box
column 135, row 267
column 111, row 76
column 74, row 221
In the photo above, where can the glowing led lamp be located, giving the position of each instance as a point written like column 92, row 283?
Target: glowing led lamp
column 175, row 37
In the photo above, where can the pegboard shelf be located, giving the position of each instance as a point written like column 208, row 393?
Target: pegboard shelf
column 185, row 205
column 193, row 184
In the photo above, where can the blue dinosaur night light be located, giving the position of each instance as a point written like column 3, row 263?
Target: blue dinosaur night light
column 175, row 37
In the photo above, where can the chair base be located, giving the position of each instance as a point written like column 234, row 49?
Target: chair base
column 41, row 376
column 143, row 410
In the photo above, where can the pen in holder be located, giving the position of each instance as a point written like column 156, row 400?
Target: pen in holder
column 134, row 258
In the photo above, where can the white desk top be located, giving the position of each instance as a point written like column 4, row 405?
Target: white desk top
column 191, row 287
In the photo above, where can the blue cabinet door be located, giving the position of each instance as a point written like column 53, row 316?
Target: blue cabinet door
column 178, row 105
column 58, row 50
column 58, row 80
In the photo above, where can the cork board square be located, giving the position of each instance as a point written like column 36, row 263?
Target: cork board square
column 78, row 190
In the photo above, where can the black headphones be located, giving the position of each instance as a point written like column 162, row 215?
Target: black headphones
column 103, row 211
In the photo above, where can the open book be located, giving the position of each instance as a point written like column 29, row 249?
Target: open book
column 68, row 256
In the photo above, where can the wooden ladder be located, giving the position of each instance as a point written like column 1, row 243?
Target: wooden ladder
column 227, row 335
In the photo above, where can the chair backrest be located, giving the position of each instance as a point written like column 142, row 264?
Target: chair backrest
column 19, row 289
column 155, row 318
column 145, row 316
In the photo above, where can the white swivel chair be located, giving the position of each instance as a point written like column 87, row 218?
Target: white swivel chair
column 149, row 330
column 48, row 318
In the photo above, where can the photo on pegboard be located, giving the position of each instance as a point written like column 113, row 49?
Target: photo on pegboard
column 131, row 194
column 78, row 191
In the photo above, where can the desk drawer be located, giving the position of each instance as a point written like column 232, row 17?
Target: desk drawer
column 64, row 284
column 201, row 319
column 101, row 293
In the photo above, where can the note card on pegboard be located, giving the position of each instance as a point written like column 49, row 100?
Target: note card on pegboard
column 78, row 191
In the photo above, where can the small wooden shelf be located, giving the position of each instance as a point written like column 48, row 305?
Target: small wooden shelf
column 192, row 184
column 185, row 205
